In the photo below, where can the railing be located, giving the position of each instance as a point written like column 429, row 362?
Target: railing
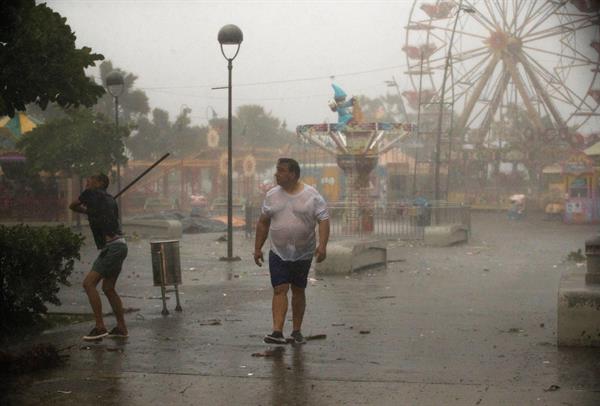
column 401, row 221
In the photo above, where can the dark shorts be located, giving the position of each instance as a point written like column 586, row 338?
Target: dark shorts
column 294, row 272
column 110, row 260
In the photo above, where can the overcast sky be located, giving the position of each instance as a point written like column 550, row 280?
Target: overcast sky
column 289, row 52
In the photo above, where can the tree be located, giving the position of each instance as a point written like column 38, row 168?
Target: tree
column 39, row 61
column 151, row 137
column 256, row 127
column 517, row 140
column 133, row 103
column 83, row 143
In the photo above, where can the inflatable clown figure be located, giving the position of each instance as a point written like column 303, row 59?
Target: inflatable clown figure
column 340, row 105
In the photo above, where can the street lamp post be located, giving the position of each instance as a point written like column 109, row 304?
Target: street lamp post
column 230, row 35
column 115, row 85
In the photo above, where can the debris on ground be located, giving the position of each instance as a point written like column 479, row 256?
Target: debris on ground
column 552, row 388
column 385, row 297
column 365, row 331
column 316, row 337
column 275, row 352
column 41, row 356
column 222, row 238
column 513, row 330
column 211, row 322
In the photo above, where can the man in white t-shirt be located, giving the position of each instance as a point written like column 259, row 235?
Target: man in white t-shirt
column 290, row 213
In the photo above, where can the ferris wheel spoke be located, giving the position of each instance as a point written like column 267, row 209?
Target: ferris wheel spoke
column 463, row 56
column 483, row 81
column 559, row 29
column 479, row 17
column 468, row 76
column 516, row 6
column 576, row 98
column 491, row 13
column 540, row 17
column 553, row 82
column 540, row 90
column 521, row 19
column 469, row 34
column 528, row 16
column 502, row 11
column 544, row 51
column 522, row 91
column 495, row 102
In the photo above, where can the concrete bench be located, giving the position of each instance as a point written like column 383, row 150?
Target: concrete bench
column 168, row 229
column 578, row 312
column 444, row 235
column 344, row 257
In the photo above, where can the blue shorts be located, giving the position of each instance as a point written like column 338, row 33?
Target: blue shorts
column 294, row 272
column 110, row 260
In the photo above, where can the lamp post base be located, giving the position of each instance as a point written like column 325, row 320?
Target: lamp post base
column 230, row 259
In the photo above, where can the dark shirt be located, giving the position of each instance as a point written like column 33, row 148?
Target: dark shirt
column 103, row 215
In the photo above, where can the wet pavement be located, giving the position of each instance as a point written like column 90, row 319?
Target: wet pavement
column 473, row 324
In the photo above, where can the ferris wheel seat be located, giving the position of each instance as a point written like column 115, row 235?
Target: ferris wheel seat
column 441, row 10
column 595, row 94
column 586, row 6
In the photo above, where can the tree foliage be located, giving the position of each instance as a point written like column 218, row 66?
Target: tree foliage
column 133, row 103
column 83, row 143
column 251, row 127
column 518, row 141
column 33, row 262
column 256, row 127
column 39, row 61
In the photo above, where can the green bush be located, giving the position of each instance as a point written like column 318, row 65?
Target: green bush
column 33, row 261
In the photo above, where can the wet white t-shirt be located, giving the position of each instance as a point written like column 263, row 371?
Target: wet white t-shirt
column 293, row 221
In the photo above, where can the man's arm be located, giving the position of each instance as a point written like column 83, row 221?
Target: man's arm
column 78, row 207
column 262, row 231
column 321, row 251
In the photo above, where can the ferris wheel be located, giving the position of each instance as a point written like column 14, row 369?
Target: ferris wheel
column 540, row 55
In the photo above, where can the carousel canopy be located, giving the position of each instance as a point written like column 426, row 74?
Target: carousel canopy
column 12, row 129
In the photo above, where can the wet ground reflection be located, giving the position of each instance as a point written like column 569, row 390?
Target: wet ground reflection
column 288, row 376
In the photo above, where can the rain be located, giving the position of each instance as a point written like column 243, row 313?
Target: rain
column 317, row 203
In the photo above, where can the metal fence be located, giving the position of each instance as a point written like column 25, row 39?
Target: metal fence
column 401, row 221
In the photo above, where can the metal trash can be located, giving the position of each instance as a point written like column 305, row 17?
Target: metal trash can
column 166, row 268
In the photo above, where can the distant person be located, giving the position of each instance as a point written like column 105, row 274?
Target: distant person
column 103, row 216
column 290, row 213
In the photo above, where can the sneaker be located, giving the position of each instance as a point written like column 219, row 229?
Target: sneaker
column 117, row 333
column 298, row 337
column 95, row 334
column 274, row 338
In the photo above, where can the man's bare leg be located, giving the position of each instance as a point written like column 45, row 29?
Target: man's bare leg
column 298, row 307
column 279, row 305
column 89, row 284
column 108, row 287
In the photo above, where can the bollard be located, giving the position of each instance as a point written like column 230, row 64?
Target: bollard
column 592, row 253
